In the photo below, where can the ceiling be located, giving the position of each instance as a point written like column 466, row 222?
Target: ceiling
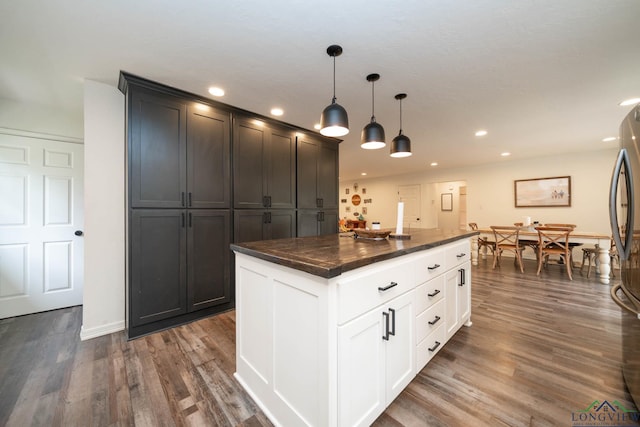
column 541, row 77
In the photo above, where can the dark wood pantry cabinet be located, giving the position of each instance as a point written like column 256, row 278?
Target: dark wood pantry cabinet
column 200, row 175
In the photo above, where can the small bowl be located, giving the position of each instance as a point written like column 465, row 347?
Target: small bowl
column 371, row 234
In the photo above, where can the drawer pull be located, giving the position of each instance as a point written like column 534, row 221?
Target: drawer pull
column 435, row 347
column 434, row 321
column 434, row 267
column 436, row 292
column 462, row 277
column 461, row 255
column 386, row 288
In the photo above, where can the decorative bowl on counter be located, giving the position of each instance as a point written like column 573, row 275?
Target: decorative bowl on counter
column 370, row 234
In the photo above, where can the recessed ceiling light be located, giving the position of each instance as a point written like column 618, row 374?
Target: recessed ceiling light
column 505, row 154
column 277, row 111
column 630, row 101
column 481, row 132
column 316, row 126
column 434, row 163
column 216, row 91
column 363, row 174
column 609, row 139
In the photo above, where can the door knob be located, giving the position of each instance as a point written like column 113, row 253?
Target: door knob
column 78, row 233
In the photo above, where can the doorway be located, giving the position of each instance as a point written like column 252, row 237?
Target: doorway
column 41, row 219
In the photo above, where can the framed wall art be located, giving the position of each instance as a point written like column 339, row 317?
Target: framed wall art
column 543, row 192
column 446, row 201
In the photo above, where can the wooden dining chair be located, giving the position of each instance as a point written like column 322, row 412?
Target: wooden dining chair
column 573, row 226
column 483, row 242
column 554, row 241
column 506, row 238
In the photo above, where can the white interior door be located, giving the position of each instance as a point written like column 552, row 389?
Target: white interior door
column 41, row 199
column 410, row 195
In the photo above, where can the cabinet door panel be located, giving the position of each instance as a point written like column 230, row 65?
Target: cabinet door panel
column 308, row 152
column 361, row 370
column 329, row 223
column 328, row 176
column 464, row 293
column 249, row 145
column 401, row 346
column 248, row 225
column 307, row 223
column 208, row 159
column 208, row 258
column 157, row 289
column 282, row 170
column 283, row 224
column 157, row 151
column 452, row 278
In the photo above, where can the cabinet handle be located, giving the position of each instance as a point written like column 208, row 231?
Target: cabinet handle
column 190, row 200
column 268, row 217
column 182, row 198
column 462, row 277
column 190, row 220
column 182, row 217
column 393, row 321
column 435, row 347
column 436, row 292
column 319, row 203
column 386, row 327
column 460, row 255
column 386, row 288
column 434, row 321
column 434, row 267
column 264, row 202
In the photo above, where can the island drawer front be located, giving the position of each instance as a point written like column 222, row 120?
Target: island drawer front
column 428, row 348
column 458, row 253
column 431, row 264
column 429, row 320
column 429, row 293
column 361, row 293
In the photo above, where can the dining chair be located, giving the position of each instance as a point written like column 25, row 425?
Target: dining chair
column 571, row 244
column 506, row 238
column 483, row 241
column 554, row 241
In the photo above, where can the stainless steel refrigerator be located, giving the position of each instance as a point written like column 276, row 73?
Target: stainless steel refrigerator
column 624, row 208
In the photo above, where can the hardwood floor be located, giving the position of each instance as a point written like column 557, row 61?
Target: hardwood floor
column 540, row 348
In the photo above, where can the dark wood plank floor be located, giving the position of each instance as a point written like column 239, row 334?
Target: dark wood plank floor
column 540, row 348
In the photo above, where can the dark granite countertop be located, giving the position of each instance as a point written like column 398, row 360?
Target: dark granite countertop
column 331, row 255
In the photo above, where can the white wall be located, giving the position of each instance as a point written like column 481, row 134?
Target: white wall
column 104, row 211
column 41, row 119
column 490, row 195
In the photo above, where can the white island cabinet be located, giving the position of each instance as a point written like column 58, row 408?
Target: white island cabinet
column 336, row 350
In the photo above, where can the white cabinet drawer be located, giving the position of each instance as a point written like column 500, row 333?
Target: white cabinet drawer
column 429, row 293
column 431, row 264
column 360, row 293
column 429, row 347
column 457, row 254
column 429, row 320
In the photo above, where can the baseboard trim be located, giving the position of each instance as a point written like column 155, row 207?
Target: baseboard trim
column 89, row 333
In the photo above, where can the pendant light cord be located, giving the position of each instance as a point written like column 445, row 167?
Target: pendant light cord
column 401, row 117
column 333, row 101
column 373, row 101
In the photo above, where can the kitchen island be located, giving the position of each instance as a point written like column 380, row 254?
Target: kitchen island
column 330, row 329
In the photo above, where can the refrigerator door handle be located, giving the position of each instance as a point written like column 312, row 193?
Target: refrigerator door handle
column 624, row 249
column 617, row 300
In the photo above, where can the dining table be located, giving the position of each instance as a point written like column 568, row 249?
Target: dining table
column 599, row 240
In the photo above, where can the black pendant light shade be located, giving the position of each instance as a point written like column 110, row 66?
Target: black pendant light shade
column 372, row 136
column 401, row 144
column 334, row 120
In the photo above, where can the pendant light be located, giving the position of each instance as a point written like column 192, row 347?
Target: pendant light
column 334, row 120
column 373, row 134
column 401, row 144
